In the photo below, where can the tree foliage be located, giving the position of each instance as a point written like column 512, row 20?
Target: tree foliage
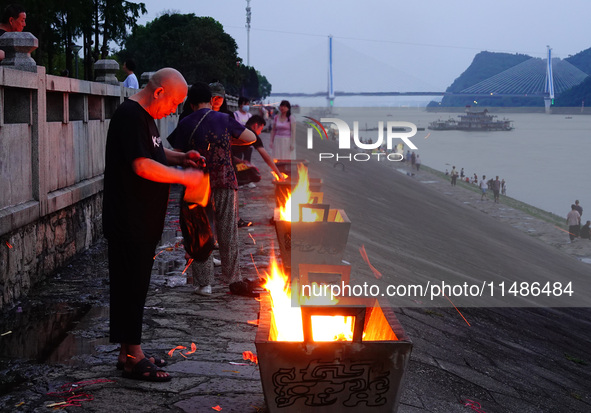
column 582, row 60
column 58, row 24
column 199, row 48
column 576, row 96
column 254, row 85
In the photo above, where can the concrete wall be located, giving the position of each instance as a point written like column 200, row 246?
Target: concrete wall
column 52, row 156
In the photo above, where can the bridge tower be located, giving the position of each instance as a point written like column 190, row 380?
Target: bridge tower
column 549, row 88
column 330, row 95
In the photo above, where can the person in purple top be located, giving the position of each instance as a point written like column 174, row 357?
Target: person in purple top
column 212, row 133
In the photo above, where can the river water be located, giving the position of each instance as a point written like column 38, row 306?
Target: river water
column 545, row 160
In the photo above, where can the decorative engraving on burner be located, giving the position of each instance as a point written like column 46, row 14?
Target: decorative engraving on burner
column 326, row 383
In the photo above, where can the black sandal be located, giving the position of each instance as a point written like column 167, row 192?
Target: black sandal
column 158, row 362
column 139, row 370
column 244, row 288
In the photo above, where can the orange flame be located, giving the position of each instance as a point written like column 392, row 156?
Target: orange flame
column 287, row 319
column 301, row 194
column 284, row 176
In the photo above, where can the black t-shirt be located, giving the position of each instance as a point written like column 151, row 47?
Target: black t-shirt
column 133, row 207
column 258, row 143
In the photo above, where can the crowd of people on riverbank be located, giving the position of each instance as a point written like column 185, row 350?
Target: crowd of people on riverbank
column 496, row 186
column 492, row 185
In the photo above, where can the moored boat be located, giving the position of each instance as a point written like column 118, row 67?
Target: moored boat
column 473, row 121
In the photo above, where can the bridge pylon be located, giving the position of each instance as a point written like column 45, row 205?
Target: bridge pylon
column 549, row 88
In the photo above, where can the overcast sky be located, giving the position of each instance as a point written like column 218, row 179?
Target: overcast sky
column 380, row 45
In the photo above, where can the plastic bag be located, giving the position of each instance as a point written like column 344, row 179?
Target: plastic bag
column 198, row 237
column 246, row 173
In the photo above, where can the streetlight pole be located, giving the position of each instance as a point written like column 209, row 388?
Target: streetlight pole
column 248, row 13
column 76, row 49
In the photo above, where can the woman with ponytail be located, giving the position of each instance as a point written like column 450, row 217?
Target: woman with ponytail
column 283, row 133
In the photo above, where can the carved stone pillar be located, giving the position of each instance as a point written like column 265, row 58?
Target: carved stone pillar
column 17, row 47
column 104, row 71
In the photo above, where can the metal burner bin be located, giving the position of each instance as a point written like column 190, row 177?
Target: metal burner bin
column 319, row 242
column 363, row 375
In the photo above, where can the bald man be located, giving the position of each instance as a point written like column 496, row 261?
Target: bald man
column 137, row 178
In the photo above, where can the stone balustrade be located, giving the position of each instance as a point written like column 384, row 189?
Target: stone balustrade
column 52, row 155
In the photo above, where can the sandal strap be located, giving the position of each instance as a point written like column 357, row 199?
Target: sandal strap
column 146, row 366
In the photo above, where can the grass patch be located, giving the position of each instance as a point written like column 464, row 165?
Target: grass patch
column 576, row 396
column 433, row 313
column 575, row 359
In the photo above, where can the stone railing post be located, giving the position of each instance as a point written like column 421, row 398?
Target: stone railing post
column 17, row 47
column 104, row 71
column 145, row 77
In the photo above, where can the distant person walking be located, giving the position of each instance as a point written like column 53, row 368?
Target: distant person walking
column 496, row 186
column 454, row 176
column 573, row 220
column 483, row 188
column 131, row 79
column 579, row 208
column 418, row 163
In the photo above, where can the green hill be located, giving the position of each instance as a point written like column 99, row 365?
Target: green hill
column 582, row 92
column 487, row 64
column 581, row 60
column 575, row 96
column 484, row 65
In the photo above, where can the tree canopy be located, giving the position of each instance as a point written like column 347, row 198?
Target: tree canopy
column 58, row 24
column 199, row 48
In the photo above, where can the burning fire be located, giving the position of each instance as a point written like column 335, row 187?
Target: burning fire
column 284, row 176
column 301, row 194
column 287, row 320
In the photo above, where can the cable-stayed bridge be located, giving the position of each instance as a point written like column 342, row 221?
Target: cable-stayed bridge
column 531, row 78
